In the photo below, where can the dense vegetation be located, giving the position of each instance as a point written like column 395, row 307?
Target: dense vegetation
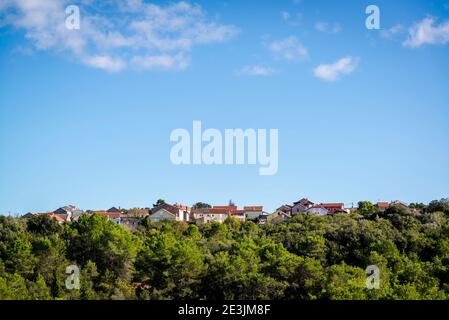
column 308, row 258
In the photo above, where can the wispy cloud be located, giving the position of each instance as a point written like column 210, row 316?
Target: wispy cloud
column 255, row 70
column 333, row 72
column 427, row 32
column 327, row 27
column 105, row 63
column 291, row 19
column 289, row 49
column 393, row 31
column 161, row 62
column 137, row 34
column 285, row 15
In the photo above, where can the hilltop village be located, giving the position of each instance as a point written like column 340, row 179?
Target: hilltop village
column 202, row 213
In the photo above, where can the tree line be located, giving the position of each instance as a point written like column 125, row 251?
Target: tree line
column 309, row 257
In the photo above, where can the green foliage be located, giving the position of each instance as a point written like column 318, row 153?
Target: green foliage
column 170, row 268
column 109, row 246
column 310, row 257
column 43, row 225
column 13, row 287
column 439, row 205
column 201, row 205
column 159, row 202
column 368, row 210
column 345, row 282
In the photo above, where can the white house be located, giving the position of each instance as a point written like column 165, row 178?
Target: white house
column 253, row 212
column 301, row 206
column 170, row 212
column 317, row 210
column 206, row 215
column 162, row 214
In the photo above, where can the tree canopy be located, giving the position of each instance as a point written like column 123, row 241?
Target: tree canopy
column 309, row 257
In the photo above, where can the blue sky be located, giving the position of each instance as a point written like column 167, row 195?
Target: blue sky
column 85, row 118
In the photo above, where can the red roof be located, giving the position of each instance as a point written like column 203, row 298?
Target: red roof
column 220, row 210
column 55, row 217
column 138, row 211
column 168, row 207
column 333, row 205
column 110, row 215
column 182, row 207
column 253, row 208
column 214, row 211
column 383, row 204
column 230, row 208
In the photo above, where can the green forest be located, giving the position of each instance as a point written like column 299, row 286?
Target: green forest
column 309, row 257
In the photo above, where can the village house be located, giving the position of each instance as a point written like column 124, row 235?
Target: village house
column 382, row 206
column 253, row 212
column 113, row 216
column 133, row 218
column 286, row 208
column 177, row 212
column 305, row 206
column 56, row 218
column 239, row 214
column 215, row 214
column 276, row 217
column 317, row 210
column 400, row 204
column 385, row 205
column 227, row 208
column 137, row 213
column 131, row 223
column 301, row 206
column 333, row 208
column 221, row 213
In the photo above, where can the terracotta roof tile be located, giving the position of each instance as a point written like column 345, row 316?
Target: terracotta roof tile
column 383, row 204
column 253, row 208
column 333, row 205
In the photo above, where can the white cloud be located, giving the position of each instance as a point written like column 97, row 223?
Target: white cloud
column 289, row 49
column 255, row 70
column 105, row 63
column 333, row 72
column 327, row 27
column 425, row 32
column 136, row 33
column 285, row 15
column 291, row 19
column 392, row 32
column 167, row 62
